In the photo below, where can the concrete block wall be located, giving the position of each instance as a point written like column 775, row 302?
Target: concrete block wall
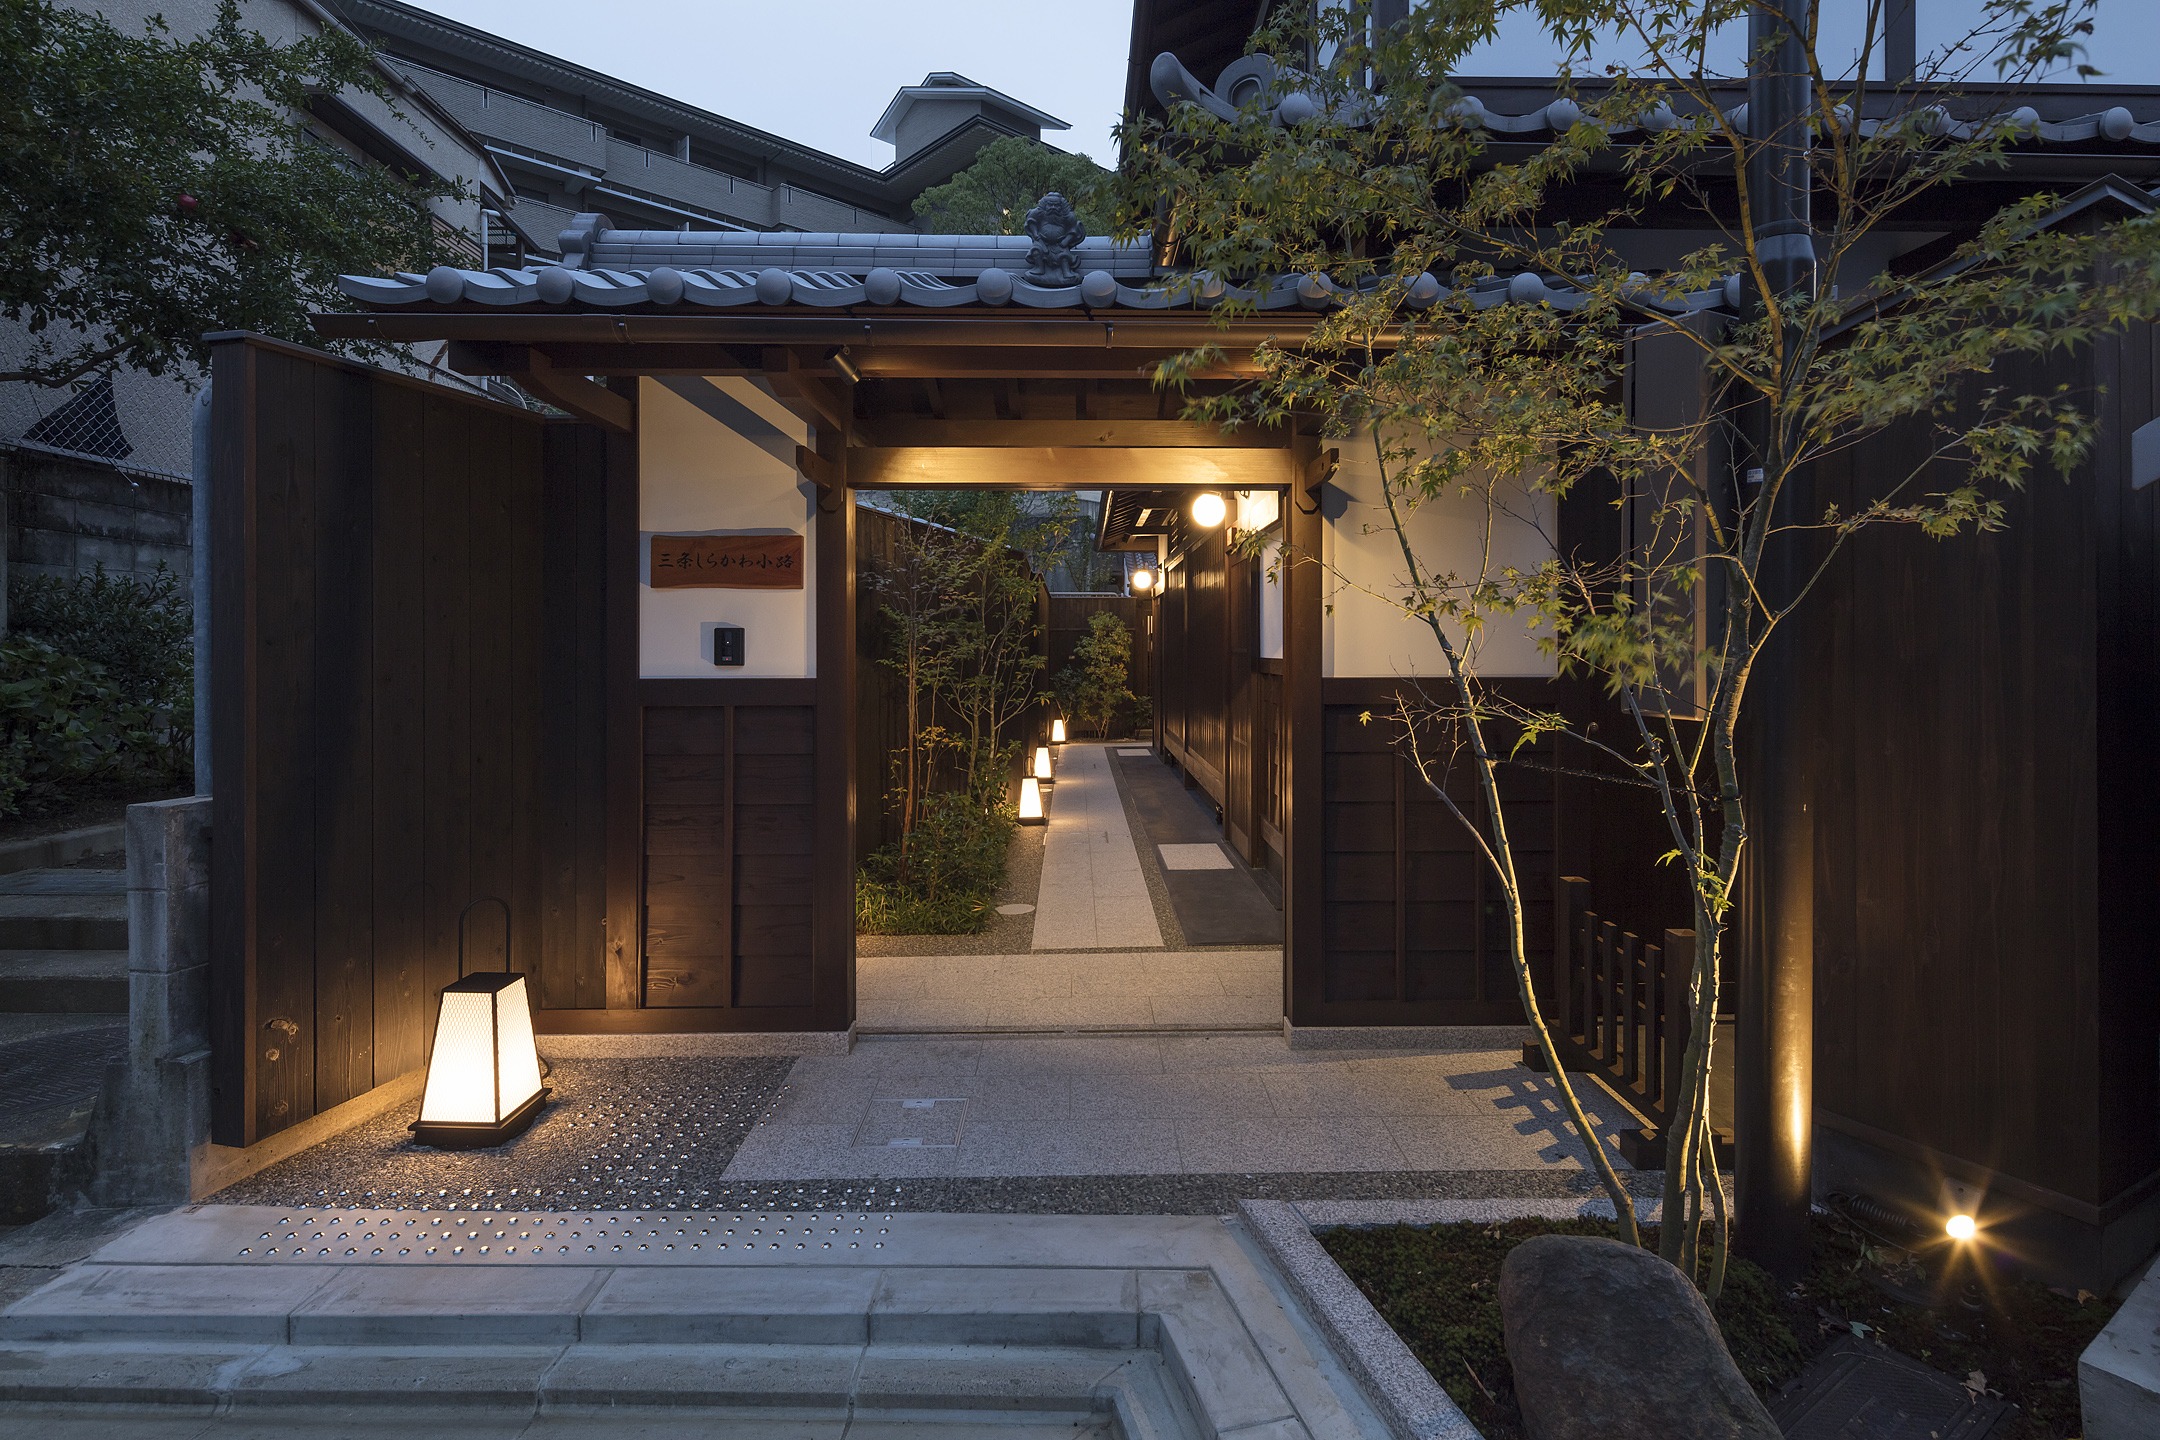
column 65, row 516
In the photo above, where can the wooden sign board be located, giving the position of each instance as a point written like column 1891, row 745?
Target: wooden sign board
column 727, row 562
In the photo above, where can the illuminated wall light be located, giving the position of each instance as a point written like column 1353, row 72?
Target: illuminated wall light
column 1208, row 510
column 1057, row 731
column 1031, row 811
column 1961, row 1227
column 1142, row 581
column 1043, row 774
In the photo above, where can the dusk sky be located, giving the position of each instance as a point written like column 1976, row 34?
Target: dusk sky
column 822, row 71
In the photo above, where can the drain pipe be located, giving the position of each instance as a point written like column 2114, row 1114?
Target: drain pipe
column 199, row 581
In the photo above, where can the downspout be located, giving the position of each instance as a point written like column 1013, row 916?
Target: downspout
column 1774, row 1071
column 199, row 581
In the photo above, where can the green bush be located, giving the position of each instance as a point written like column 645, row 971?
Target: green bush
column 97, row 689
column 1095, row 688
column 944, row 878
column 141, row 630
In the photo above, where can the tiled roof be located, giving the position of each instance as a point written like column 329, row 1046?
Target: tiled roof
column 719, row 270
column 1254, row 75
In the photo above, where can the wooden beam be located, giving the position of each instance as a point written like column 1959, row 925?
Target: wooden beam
column 1080, row 468
column 813, row 397
column 483, row 357
column 911, row 431
column 574, row 393
column 1031, row 362
column 1318, row 468
column 818, row 470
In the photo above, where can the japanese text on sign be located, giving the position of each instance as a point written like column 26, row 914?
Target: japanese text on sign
column 727, row 562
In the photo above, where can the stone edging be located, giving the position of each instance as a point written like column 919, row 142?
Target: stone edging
column 44, row 852
column 1409, row 1400
column 1412, row 1403
column 655, row 1046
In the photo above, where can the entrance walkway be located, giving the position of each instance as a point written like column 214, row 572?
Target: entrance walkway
column 1141, row 921
column 1093, row 893
column 1128, row 990
column 1152, row 1107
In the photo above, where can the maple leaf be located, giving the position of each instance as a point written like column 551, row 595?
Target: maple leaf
column 1976, row 1381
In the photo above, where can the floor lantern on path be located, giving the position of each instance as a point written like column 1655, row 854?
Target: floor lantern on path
column 1057, row 731
column 1031, row 806
column 483, row 1077
column 1045, row 775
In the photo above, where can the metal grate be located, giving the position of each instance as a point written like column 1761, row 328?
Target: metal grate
column 88, row 424
column 1858, row 1391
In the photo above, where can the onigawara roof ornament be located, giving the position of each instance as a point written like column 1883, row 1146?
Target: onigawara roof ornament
column 1055, row 232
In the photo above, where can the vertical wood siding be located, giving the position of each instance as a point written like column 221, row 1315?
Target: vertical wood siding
column 1985, row 804
column 406, row 718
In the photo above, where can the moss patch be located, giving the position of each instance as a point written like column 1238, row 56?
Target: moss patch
column 1439, row 1287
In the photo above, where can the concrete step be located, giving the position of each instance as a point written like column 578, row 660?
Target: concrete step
column 65, row 847
column 51, row 1069
column 1151, row 1326
column 63, row 910
column 79, row 982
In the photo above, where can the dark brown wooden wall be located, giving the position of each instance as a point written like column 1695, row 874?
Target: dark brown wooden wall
column 1414, row 929
column 730, row 811
column 1986, row 808
column 407, row 718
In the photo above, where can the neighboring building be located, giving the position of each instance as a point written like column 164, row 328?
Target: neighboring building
column 96, row 474
column 575, row 141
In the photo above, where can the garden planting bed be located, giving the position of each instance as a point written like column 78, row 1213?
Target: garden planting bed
column 1438, row 1287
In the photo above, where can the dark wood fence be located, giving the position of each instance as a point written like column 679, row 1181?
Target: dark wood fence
column 1618, row 1004
column 407, row 717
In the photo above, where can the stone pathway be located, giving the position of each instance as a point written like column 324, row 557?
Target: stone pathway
column 1093, row 893
column 1156, row 1105
column 1159, row 990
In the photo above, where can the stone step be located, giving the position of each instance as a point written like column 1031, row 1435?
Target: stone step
column 998, row 1392
column 77, row 982
column 51, row 1069
column 43, row 852
column 1156, row 1326
column 64, row 919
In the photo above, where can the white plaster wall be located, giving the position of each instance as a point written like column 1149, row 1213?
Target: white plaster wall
column 1258, row 510
column 697, row 477
column 1362, row 634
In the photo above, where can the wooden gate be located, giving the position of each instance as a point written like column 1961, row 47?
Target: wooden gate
column 407, row 716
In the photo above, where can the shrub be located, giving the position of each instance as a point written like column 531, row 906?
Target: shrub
column 141, row 630
column 1095, row 688
column 942, row 879
column 97, row 688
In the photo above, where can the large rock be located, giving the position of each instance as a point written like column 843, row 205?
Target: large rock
column 1611, row 1343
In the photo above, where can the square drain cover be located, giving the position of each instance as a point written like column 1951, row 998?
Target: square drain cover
column 912, row 1124
column 1858, row 1391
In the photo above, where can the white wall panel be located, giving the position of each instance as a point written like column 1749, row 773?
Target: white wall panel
column 698, row 477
